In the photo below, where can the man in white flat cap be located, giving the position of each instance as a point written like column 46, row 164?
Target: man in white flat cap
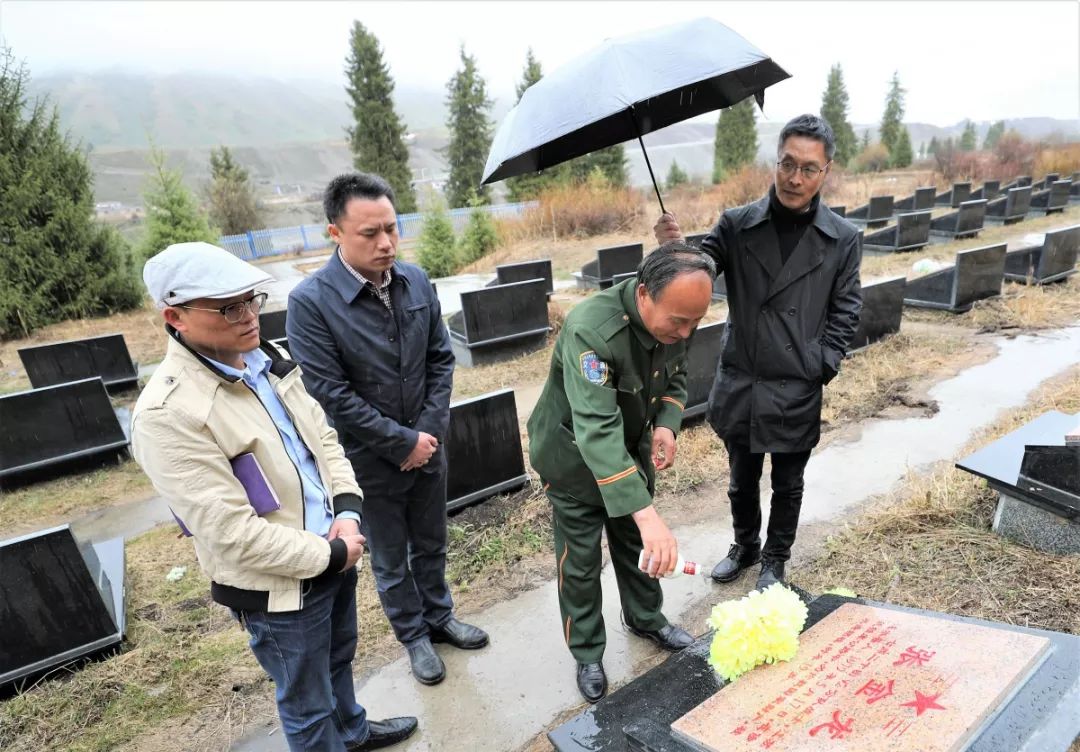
column 251, row 469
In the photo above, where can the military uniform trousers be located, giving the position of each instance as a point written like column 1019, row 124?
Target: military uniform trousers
column 578, row 525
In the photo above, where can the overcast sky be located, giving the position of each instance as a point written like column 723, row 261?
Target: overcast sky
column 984, row 60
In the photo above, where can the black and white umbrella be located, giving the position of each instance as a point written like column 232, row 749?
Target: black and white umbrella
column 625, row 88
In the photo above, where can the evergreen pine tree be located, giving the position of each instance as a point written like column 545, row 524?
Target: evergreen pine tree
column 676, row 176
column 377, row 139
column 435, row 248
column 931, row 150
column 865, row 140
column 994, row 134
column 172, row 213
column 968, row 137
column 480, row 236
column 736, row 139
column 470, row 133
column 57, row 262
column 610, row 162
column 232, row 197
column 892, row 120
column 528, row 187
column 901, row 156
column 834, row 109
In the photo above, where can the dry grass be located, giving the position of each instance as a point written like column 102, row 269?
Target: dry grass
column 881, row 376
column 1020, row 307
column 930, row 546
column 143, row 330
column 1063, row 159
column 56, row 501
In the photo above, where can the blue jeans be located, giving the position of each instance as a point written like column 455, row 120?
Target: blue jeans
column 309, row 654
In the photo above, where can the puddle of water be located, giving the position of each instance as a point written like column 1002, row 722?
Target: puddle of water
column 125, row 520
column 843, row 474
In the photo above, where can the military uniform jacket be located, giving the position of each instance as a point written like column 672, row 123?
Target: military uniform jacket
column 789, row 325
column 610, row 384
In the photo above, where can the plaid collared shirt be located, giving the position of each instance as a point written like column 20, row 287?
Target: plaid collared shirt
column 383, row 290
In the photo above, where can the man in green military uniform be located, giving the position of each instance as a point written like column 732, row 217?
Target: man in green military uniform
column 605, row 423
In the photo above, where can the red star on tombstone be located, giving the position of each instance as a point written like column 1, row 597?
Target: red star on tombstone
column 922, row 703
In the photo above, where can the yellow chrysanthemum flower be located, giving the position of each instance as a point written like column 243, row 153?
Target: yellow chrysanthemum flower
column 762, row 627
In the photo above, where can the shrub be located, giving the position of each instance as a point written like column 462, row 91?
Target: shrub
column 480, row 237
column 435, row 248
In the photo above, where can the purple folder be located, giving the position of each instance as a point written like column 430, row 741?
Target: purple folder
column 260, row 495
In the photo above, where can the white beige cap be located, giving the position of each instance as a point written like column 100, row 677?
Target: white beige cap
column 187, row 271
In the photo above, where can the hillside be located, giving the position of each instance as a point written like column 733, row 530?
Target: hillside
column 293, row 133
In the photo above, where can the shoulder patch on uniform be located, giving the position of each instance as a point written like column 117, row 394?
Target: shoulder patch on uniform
column 593, row 368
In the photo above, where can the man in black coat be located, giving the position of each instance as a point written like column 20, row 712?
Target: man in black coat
column 791, row 267
column 368, row 331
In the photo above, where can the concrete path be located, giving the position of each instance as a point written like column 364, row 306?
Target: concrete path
column 501, row 697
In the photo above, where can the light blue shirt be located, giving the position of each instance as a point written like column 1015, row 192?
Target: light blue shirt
column 318, row 512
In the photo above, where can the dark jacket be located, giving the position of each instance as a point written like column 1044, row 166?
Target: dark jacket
column 789, row 325
column 381, row 378
column 610, row 384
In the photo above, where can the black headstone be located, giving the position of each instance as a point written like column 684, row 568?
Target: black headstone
column 911, row 231
column 874, row 214
column 523, row 271
column 1001, row 462
column 839, row 211
column 958, row 194
column 1053, row 472
column 272, row 324
column 57, row 424
column 989, row 190
column 702, row 363
column 1010, row 208
column 965, row 222
column 882, row 310
column 620, row 278
column 921, row 200
column 59, row 602
column 504, row 312
column 1051, row 261
column 977, row 274
column 619, row 259
column 73, row 360
column 483, row 449
column 1052, row 199
column 695, row 239
column 1022, row 181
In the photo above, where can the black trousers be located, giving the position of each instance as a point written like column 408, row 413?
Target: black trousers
column 745, row 494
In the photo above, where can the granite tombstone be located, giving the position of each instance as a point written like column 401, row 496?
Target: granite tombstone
column 106, row 356
column 483, row 449
column 60, row 602
column 977, row 274
column 47, row 430
column 498, row 323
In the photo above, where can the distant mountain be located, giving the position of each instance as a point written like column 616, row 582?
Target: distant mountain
column 120, row 110
column 291, row 133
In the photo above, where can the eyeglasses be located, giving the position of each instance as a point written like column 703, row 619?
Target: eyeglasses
column 787, row 169
column 234, row 312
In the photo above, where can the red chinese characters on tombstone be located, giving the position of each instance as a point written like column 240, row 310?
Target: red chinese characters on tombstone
column 837, row 728
column 914, row 657
column 876, row 690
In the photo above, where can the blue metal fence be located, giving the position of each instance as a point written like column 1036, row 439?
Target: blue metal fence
column 257, row 244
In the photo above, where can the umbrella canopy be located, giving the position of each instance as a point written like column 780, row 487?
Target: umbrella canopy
column 625, row 88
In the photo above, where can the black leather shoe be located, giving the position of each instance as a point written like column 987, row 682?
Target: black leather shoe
column 426, row 664
column 591, row 681
column 738, row 558
column 460, row 635
column 669, row 637
column 772, row 572
column 385, row 733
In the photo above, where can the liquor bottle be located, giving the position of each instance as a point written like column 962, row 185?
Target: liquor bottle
column 681, row 566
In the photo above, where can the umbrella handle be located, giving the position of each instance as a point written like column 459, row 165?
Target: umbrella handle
column 648, row 164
